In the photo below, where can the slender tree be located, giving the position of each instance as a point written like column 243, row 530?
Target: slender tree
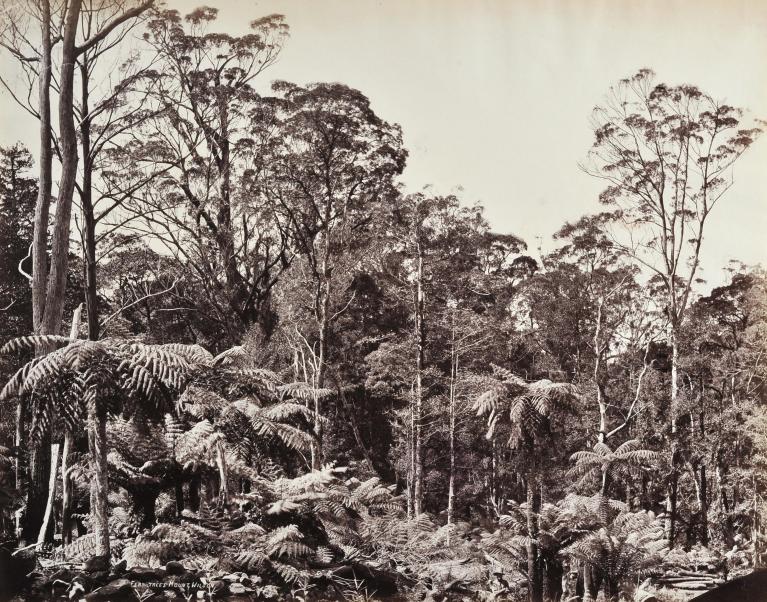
column 666, row 153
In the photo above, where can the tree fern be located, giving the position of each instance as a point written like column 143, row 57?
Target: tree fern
column 626, row 459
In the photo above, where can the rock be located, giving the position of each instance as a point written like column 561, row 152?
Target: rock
column 145, row 574
column 752, row 588
column 61, row 575
column 238, row 588
column 84, row 581
column 100, row 577
column 184, row 578
column 118, row 590
column 37, row 585
column 13, row 570
column 59, row 587
column 175, row 568
column 119, row 568
column 234, row 577
column 97, row 563
column 75, row 590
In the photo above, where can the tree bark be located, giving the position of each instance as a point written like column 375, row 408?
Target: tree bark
column 47, row 529
column 535, row 582
column 42, row 206
column 223, row 490
column 97, row 440
column 66, row 491
column 86, row 201
column 57, row 278
column 178, row 489
column 66, row 481
column 38, row 460
column 37, row 495
column 419, row 365
column 323, row 324
column 194, row 493
column 671, row 499
column 451, row 411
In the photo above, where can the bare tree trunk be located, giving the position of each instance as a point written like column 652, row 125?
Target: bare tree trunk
column 37, row 462
column 418, row 413
column 17, row 441
column 671, row 499
column 46, row 529
column 97, row 440
column 411, row 464
column 42, row 207
column 66, row 491
column 453, row 382
column 66, row 482
column 755, row 524
column 703, row 504
column 223, row 490
column 86, row 198
column 37, row 495
column 588, row 583
column 535, row 583
column 57, row 279
column 323, row 323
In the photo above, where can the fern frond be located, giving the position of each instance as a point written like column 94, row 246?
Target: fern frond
column 32, row 341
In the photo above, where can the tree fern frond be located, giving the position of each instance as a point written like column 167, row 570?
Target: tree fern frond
column 31, row 342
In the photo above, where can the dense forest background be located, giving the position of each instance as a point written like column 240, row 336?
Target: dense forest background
column 286, row 375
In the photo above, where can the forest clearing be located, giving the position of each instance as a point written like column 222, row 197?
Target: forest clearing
column 242, row 357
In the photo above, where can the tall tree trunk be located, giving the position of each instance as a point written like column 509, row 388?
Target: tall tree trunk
column 451, row 411
column 37, row 495
column 86, row 201
column 66, row 481
column 178, row 490
column 419, row 365
column 756, row 524
column 42, row 206
column 195, row 483
column 47, row 529
column 535, row 584
column 97, row 443
column 223, row 490
column 589, row 593
column 323, row 325
column 411, row 464
column 17, row 441
column 671, row 499
column 66, row 491
column 38, row 460
column 57, row 278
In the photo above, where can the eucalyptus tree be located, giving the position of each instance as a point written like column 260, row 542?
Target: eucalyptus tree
column 586, row 308
column 666, row 154
column 449, row 268
column 197, row 150
column 59, row 23
column 725, row 381
column 326, row 173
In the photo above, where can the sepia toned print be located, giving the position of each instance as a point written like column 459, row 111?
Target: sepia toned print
column 362, row 300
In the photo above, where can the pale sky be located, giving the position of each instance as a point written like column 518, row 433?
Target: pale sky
column 495, row 96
